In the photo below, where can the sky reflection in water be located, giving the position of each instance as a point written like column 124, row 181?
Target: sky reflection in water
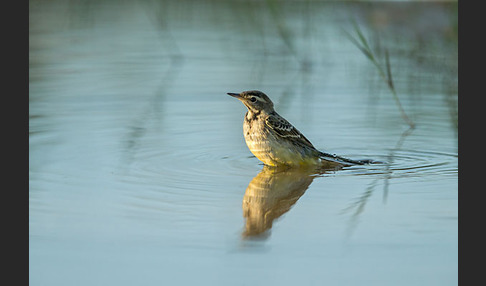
column 139, row 173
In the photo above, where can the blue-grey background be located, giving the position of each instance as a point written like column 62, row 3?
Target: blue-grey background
column 138, row 170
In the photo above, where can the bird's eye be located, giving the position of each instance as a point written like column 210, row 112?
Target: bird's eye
column 253, row 99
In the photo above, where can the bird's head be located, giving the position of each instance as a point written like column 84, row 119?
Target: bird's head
column 254, row 100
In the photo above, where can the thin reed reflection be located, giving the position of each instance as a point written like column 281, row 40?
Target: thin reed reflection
column 356, row 208
column 271, row 194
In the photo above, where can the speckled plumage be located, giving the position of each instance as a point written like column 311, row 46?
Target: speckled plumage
column 276, row 142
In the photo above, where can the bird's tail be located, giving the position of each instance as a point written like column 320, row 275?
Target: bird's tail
column 343, row 160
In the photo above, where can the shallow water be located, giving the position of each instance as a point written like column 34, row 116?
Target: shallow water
column 139, row 173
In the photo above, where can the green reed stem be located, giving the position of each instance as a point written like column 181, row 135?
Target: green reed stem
column 362, row 44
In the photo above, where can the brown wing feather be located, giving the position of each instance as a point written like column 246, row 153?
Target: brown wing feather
column 284, row 129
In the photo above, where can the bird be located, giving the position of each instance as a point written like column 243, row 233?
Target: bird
column 276, row 142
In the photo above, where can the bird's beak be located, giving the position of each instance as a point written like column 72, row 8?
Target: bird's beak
column 237, row 95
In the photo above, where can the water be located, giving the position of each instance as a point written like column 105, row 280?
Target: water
column 139, row 173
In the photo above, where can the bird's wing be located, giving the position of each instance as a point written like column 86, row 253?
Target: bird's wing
column 284, row 129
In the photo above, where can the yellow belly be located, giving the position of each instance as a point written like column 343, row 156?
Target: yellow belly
column 273, row 150
column 276, row 155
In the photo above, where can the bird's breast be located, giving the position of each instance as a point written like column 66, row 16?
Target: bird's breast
column 270, row 149
column 257, row 140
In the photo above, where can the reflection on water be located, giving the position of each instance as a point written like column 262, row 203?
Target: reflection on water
column 390, row 170
column 271, row 194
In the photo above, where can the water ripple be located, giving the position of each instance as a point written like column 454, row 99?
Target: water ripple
column 410, row 163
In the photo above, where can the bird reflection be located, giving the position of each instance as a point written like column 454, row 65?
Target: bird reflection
column 271, row 194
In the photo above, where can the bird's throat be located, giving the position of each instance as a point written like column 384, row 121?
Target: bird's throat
column 252, row 115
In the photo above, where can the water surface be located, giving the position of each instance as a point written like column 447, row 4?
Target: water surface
column 138, row 169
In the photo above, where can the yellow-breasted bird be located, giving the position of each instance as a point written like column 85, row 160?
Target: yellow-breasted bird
column 276, row 142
